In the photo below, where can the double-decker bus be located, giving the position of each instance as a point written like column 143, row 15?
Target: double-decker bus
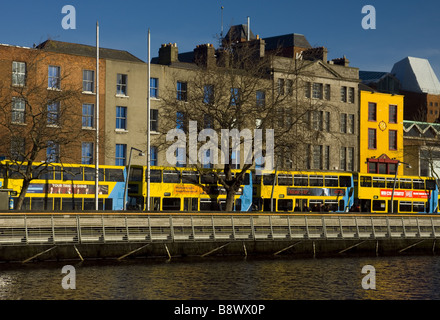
column 302, row 191
column 184, row 189
column 373, row 193
column 59, row 187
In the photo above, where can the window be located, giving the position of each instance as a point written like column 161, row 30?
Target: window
column 351, row 95
column 121, row 84
column 180, row 120
column 392, row 139
column 343, row 94
column 289, row 87
column 18, row 73
column 53, row 114
column 343, row 158
column 121, row 154
column 393, row 114
column 343, row 123
column 327, row 92
column 372, row 141
column 235, row 96
column 372, row 115
column 87, row 153
column 54, row 77
column 261, row 98
column 52, row 152
column 154, row 88
column 18, row 110
column 350, row 159
column 317, row 90
column 153, row 156
column 307, row 90
column 235, row 160
column 88, row 80
column 350, row 125
column 180, row 157
column 18, row 148
column 154, row 114
column 182, row 91
column 88, row 112
column 326, row 159
column 208, row 94
column 121, row 118
column 326, row 121
column 317, row 157
column 281, row 86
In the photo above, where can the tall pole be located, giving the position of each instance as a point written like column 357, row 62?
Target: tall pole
column 394, row 188
column 97, row 121
column 148, row 124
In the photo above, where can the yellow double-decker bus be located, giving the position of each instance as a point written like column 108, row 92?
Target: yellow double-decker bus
column 303, row 191
column 183, row 189
column 410, row 194
column 59, row 187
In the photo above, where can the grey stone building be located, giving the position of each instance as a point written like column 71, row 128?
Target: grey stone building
column 320, row 94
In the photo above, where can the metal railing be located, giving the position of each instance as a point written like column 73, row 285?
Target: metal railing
column 81, row 229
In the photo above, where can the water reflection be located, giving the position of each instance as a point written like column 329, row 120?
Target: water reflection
column 219, row 278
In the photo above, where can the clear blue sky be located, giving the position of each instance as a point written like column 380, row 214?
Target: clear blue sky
column 403, row 28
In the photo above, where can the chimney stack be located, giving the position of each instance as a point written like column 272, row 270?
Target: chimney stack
column 204, row 55
column 168, row 53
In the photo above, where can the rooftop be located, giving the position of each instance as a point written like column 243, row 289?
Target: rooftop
column 416, row 75
column 86, row 50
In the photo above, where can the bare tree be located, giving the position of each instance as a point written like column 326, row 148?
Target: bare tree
column 40, row 114
column 234, row 88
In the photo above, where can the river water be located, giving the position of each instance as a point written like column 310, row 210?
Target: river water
column 225, row 278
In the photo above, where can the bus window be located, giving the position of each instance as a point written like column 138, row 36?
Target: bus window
column 135, row 174
column 331, row 181
column 284, row 179
column 72, row 174
column 315, row 205
column 268, row 179
column 171, row 176
column 332, row 205
column 171, row 204
column 418, row 206
column 155, row 176
column 405, row 184
column 190, row 177
column 42, row 173
column 114, row 175
column 378, row 205
column 285, row 205
column 378, row 182
column 345, row 181
column 390, row 183
column 89, row 174
column 266, row 205
column 430, row 185
column 238, row 205
column 195, row 204
column 365, row 181
column 155, row 204
column 246, row 179
column 405, row 206
column 316, row 181
column 301, row 180
column 418, row 184
column 208, row 178
column 256, row 179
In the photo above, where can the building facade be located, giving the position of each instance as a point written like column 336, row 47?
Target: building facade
column 381, row 134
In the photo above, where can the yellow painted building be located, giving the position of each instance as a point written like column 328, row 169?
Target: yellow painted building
column 381, row 132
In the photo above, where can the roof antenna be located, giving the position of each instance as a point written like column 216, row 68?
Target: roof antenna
column 248, row 28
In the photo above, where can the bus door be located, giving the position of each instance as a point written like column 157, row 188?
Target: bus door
column 302, row 204
column 395, row 206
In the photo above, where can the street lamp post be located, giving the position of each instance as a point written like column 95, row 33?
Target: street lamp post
column 141, row 153
column 395, row 180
